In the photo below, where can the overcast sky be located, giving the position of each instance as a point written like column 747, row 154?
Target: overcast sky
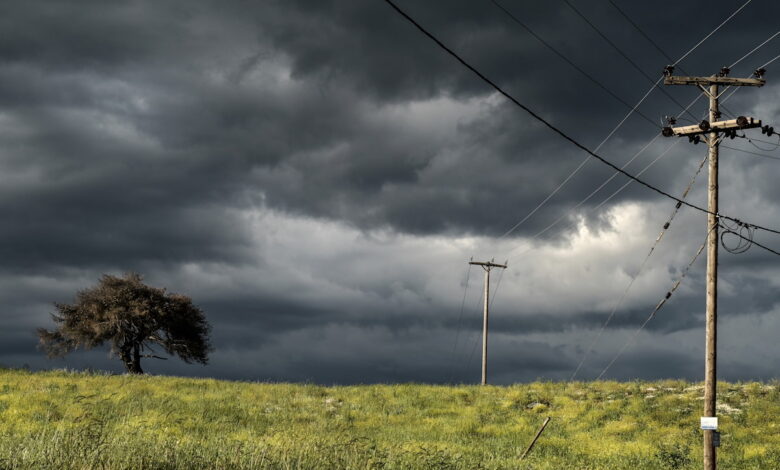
column 317, row 174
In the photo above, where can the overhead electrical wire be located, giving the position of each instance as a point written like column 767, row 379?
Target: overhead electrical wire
column 776, row 57
column 754, row 50
column 751, row 153
column 744, row 234
column 625, row 56
column 657, row 307
column 727, row 111
column 775, row 145
column 619, row 125
column 674, row 288
column 750, row 241
column 556, row 129
column 713, row 32
column 636, row 26
column 654, row 85
column 460, row 318
column 587, row 198
column 476, row 339
column 655, row 244
column 737, row 231
column 571, row 63
column 663, row 52
column 623, row 296
column 538, row 234
column 576, row 170
column 751, row 142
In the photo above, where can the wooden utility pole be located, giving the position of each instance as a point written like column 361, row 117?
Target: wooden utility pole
column 487, row 266
column 713, row 131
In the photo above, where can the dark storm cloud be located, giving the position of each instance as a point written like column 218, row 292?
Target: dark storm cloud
column 309, row 146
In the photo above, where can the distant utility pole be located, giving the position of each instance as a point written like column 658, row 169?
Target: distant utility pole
column 713, row 131
column 487, row 266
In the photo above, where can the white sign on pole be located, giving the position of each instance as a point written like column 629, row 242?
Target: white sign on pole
column 709, row 423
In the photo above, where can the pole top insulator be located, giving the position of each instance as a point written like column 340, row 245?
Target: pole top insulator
column 724, row 71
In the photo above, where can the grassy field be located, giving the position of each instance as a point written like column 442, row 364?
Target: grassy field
column 62, row 420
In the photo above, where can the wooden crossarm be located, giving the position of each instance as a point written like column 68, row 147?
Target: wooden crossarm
column 705, row 127
column 707, row 81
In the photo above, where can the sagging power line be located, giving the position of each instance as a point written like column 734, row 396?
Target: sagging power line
column 572, row 64
column 616, row 128
column 558, row 131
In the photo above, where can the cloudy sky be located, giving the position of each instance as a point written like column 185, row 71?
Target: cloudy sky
column 316, row 175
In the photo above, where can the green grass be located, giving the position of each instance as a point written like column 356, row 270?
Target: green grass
column 62, row 420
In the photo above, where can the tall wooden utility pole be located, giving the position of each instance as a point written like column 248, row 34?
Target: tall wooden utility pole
column 487, row 266
column 713, row 131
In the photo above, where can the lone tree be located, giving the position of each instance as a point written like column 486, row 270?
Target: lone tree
column 132, row 317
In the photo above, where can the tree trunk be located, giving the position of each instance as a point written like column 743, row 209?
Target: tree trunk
column 135, row 365
column 124, row 355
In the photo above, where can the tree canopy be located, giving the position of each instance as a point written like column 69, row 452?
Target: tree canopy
column 133, row 317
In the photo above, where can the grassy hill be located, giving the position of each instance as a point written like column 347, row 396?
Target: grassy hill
column 61, row 420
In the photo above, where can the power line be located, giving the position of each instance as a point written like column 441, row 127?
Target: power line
column 587, row 158
column 460, row 318
column 576, row 170
column 601, row 204
column 570, row 62
column 751, row 153
column 554, row 128
column 751, row 140
column 658, row 239
column 594, row 192
column 754, row 50
column 656, row 309
column 610, row 178
column 658, row 48
column 713, row 32
column 641, row 267
column 776, row 57
column 729, row 112
column 750, row 240
column 476, row 338
column 625, row 56
column 743, row 247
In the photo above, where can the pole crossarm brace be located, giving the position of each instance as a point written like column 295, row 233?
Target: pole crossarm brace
column 714, row 80
column 705, row 127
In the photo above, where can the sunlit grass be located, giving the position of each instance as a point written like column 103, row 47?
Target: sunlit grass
column 65, row 420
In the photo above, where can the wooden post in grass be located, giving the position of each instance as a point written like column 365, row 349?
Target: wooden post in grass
column 539, row 433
